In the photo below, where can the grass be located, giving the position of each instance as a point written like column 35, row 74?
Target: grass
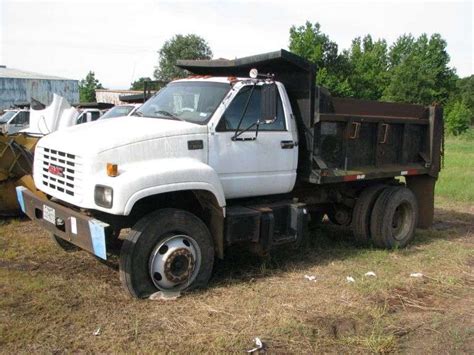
column 456, row 180
column 51, row 301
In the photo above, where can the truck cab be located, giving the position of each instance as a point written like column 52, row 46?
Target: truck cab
column 13, row 121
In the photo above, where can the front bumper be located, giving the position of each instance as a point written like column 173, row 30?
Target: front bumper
column 85, row 232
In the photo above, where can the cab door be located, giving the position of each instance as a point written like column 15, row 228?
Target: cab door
column 254, row 164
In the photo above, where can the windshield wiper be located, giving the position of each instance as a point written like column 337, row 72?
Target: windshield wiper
column 168, row 114
column 137, row 113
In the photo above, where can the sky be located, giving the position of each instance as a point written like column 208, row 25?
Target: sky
column 119, row 40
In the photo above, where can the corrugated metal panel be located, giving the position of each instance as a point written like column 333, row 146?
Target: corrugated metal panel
column 18, row 91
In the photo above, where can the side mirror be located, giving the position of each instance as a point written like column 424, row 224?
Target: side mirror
column 269, row 103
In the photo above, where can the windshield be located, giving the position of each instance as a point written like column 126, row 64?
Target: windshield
column 7, row 116
column 117, row 111
column 187, row 101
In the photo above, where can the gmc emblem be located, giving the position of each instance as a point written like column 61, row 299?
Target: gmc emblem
column 56, row 170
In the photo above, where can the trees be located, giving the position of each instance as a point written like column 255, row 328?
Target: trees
column 87, row 87
column 180, row 47
column 413, row 70
column 465, row 93
column 458, row 118
column 418, row 71
column 332, row 68
column 139, row 84
column 368, row 60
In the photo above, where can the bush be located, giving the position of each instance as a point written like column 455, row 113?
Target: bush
column 458, row 119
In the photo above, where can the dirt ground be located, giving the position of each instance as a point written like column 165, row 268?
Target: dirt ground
column 55, row 302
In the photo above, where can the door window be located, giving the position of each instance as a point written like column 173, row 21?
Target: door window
column 233, row 114
column 95, row 115
column 82, row 118
column 21, row 119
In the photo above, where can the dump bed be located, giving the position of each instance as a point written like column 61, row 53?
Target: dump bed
column 342, row 139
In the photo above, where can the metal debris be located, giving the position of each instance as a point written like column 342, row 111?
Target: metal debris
column 259, row 345
column 370, row 273
column 350, row 279
column 96, row 332
column 416, row 274
column 310, row 278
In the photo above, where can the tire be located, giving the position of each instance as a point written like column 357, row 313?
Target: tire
column 362, row 212
column 394, row 218
column 167, row 250
column 340, row 215
column 64, row 244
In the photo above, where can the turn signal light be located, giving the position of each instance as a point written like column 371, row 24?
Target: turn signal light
column 112, row 169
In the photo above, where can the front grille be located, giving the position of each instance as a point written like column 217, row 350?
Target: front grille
column 60, row 171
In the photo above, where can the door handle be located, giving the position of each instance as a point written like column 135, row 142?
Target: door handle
column 287, row 144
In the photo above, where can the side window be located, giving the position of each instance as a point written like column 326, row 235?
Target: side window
column 21, row 118
column 95, row 115
column 82, row 118
column 24, row 117
column 231, row 117
column 16, row 119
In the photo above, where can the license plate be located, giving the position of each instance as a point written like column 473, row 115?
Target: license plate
column 49, row 214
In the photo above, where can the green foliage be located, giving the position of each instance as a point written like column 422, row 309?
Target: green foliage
column 418, row 70
column 180, row 47
column 368, row 77
column 455, row 180
column 413, row 70
column 458, row 118
column 87, row 87
column 332, row 68
column 139, row 84
column 465, row 93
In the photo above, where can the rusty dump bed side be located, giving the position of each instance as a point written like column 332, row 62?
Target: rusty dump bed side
column 342, row 139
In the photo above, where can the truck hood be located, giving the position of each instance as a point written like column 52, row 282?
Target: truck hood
column 95, row 137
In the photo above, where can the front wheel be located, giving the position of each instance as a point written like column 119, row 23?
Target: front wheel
column 167, row 250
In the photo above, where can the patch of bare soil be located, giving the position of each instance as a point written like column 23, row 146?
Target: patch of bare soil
column 337, row 327
column 450, row 332
column 411, row 299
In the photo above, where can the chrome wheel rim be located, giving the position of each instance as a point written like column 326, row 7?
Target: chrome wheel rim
column 401, row 221
column 175, row 262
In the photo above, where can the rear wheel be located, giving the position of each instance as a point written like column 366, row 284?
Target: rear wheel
column 362, row 211
column 64, row 244
column 394, row 218
column 167, row 250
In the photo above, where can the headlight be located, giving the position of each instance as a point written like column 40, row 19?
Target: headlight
column 103, row 196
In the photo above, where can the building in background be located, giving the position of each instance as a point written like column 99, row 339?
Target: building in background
column 18, row 87
column 116, row 96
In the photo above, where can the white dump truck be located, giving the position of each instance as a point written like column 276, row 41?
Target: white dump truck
column 230, row 156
